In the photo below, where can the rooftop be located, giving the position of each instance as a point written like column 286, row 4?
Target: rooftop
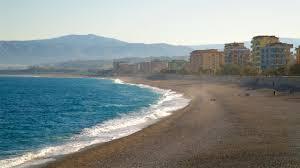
column 235, row 45
column 257, row 37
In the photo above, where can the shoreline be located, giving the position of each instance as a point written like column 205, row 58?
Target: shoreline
column 224, row 125
column 123, row 80
column 221, row 127
column 165, row 94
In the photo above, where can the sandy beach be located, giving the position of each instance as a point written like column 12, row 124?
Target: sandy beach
column 224, row 126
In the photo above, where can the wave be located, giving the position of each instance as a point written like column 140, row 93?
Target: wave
column 124, row 125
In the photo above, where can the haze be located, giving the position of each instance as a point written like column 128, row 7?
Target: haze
column 185, row 22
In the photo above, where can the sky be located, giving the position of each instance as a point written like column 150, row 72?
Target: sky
column 181, row 22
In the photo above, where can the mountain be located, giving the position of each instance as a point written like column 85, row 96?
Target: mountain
column 81, row 47
column 207, row 46
column 92, row 47
column 294, row 41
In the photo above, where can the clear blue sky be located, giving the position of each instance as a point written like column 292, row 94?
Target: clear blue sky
column 150, row 21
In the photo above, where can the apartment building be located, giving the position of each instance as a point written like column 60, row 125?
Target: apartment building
column 236, row 53
column 206, row 60
column 258, row 42
column 275, row 55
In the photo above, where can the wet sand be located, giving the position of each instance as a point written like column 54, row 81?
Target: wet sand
column 224, row 126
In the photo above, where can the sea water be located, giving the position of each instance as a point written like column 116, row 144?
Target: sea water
column 43, row 118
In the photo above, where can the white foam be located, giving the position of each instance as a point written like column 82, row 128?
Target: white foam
column 118, row 81
column 109, row 130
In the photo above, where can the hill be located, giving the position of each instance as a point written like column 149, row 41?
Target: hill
column 81, row 47
column 91, row 47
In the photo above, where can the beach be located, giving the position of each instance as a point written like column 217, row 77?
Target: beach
column 224, row 125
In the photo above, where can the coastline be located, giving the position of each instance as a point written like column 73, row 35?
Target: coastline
column 153, row 114
column 223, row 126
column 128, row 81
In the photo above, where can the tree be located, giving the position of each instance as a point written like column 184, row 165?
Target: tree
column 295, row 69
column 202, row 71
column 276, row 71
column 249, row 71
column 230, row 69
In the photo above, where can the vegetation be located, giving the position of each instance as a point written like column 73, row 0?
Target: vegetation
column 249, row 70
column 204, row 71
column 295, row 69
column 276, row 72
column 232, row 69
column 252, row 71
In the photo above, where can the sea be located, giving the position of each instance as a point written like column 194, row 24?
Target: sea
column 44, row 118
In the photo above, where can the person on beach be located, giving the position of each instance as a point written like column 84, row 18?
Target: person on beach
column 274, row 91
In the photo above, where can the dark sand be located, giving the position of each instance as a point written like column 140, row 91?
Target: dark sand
column 222, row 127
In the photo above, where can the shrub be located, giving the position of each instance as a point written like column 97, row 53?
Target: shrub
column 295, row 69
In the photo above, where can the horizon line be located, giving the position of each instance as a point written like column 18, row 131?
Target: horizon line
column 91, row 34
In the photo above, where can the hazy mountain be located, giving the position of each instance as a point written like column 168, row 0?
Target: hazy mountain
column 81, row 47
column 294, row 41
column 207, row 46
column 92, row 47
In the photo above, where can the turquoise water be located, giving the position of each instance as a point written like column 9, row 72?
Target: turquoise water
column 42, row 118
column 40, row 112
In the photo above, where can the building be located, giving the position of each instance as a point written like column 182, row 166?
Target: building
column 176, row 65
column 120, row 67
column 236, row 53
column 275, row 55
column 157, row 65
column 145, row 67
column 258, row 43
column 154, row 66
column 116, row 65
column 206, row 60
column 188, row 67
column 298, row 55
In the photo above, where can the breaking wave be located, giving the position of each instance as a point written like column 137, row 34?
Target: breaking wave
column 124, row 125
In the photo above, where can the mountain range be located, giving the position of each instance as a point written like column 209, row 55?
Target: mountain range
column 81, row 47
column 91, row 47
